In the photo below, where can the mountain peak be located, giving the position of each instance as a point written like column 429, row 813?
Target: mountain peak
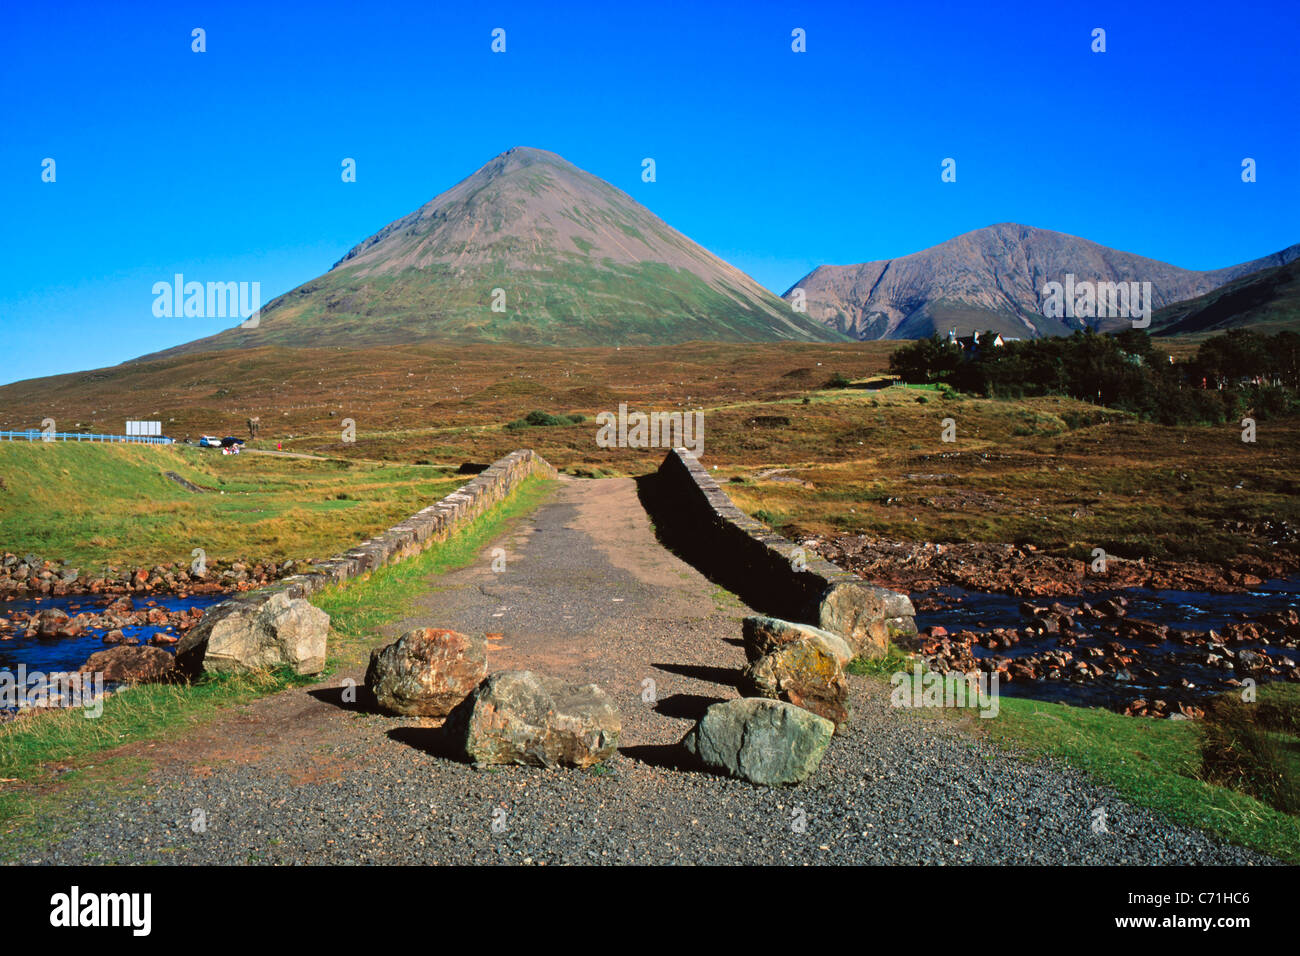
column 528, row 249
column 993, row 278
column 521, row 157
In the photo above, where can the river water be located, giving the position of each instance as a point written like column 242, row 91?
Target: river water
column 51, row 655
column 1175, row 661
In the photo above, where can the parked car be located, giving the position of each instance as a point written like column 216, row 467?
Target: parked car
column 230, row 441
column 209, row 441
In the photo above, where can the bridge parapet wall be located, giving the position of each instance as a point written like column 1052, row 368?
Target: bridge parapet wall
column 768, row 571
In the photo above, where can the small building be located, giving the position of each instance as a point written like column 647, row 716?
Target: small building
column 971, row 344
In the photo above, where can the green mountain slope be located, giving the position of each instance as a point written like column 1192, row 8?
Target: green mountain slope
column 1268, row 300
column 577, row 262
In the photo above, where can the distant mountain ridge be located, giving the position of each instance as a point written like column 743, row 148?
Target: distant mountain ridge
column 993, row 278
column 1267, row 300
column 531, row 250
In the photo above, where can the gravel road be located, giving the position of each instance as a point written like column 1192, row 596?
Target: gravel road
column 588, row 593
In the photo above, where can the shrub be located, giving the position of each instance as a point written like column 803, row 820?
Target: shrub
column 540, row 419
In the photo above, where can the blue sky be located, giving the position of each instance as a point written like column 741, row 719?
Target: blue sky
column 225, row 165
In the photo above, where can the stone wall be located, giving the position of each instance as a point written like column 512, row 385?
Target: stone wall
column 401, row 541
column 769, row 572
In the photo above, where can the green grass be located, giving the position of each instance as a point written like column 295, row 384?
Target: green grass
column 1153, row 763
column 645, row 303
column 1254, row 747
column 36, row 752
column 97, row 505
column 37, row 797
column 892, row 662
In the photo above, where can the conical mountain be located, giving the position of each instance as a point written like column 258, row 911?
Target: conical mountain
column 993, row 278
column 576, row 262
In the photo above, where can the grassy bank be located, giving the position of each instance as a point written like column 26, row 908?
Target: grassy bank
column 1152, row 763
column 98, row 504
column 1157, row 764
column 50, row 764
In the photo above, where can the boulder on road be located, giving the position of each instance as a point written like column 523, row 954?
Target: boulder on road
column 763, row 635
column 805, row 674
column 768, row 742
column 241, row 635
column 865, row 616
column 427, row 672
column 519, row 717
column 132, row 664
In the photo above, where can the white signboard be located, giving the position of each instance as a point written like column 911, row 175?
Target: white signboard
column 143, row 429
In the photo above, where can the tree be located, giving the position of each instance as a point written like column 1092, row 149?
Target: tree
column 925, row 360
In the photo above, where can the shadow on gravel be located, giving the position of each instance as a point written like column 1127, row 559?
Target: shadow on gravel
column 686, row 706
column 365, row 702
column 435, row 741
column 665, row 756
column 726, row 676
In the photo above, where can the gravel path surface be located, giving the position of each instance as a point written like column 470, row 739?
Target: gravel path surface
column 589, row 594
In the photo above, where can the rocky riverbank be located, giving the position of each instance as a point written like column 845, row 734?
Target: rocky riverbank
column 26, row 576
column 57, row 618
column 1152, row 639
column 1099, row 653
column 1025, row 571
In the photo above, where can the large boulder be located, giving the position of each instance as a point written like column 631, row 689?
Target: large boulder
column 126, row 664
column 519, row 717
column 763, row 635
column 805, row 674
column 768, row 742
column 242, row 635
column 427, row 672
column 865, row 616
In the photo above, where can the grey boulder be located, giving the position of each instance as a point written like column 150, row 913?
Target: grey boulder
column 241, row 635
column 768, row 742
column 520, row 717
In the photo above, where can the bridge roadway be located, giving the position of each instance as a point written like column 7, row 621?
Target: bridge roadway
column 589, row 594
